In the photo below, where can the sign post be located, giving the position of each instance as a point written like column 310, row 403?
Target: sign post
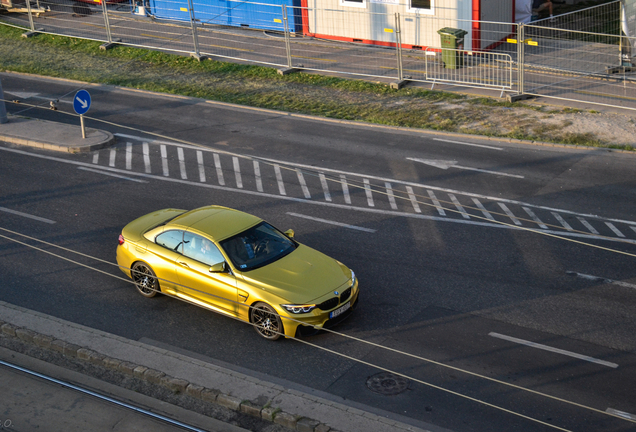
column 81, row 104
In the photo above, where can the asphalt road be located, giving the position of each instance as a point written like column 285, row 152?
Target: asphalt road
column 453, row 287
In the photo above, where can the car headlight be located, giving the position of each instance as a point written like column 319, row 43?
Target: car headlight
column 353, row 278
column 299, row 309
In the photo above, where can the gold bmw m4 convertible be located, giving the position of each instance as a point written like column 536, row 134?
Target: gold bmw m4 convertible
column 239, row 265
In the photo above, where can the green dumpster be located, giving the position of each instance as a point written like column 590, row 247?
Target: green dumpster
column 452, row 43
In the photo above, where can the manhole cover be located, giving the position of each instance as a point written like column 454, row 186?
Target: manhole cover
column 387, row 383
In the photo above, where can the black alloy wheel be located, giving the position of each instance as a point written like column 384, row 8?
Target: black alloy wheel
column 266, row 321
column 145, row 279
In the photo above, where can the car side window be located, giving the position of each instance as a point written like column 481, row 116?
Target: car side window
column 172, row 240
column 201, row 249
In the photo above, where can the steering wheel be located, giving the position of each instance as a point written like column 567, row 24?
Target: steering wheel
column 260, row 246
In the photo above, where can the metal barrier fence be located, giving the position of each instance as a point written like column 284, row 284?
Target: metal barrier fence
column 542, row 58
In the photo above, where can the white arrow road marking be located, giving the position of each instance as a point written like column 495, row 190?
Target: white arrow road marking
column 453, row 164
column 82, row 102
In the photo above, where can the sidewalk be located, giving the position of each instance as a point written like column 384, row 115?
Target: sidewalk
column 173, row 374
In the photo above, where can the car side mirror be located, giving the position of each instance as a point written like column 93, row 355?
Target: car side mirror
column 219, row 268
column 289, row 233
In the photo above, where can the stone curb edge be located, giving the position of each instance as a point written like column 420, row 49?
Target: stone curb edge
column 177, row 385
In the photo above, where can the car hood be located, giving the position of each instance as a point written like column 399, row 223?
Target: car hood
column 300, row 277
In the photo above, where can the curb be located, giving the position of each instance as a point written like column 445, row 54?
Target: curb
column 176, row 385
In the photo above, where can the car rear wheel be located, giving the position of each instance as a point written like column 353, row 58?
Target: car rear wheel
column 145, row 279
column 266, row 321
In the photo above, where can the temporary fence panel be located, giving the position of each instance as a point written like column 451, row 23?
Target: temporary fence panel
column 355, row 57
column 576, row 66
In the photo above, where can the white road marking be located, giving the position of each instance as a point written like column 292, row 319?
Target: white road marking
column 334, row 205
column 601, row 279
column 535, row 218
column 113, row 154
column 459, row 206
column 614, row 229
column 201, row 166
column 303, row 184
column 26, row 215
column 219, row 171
column 442, row 164
column 96, row 158
column 467, row 144
column 621, row 414
column 435, row 202
column 562, row 221
column 469, row 194
column 325, row 186
column 345, row 189
column 101, row 171
column 413, row 198
column 128, row 156
column 554, row 350
column 279, row 180
column 182, row 167
column 24, row 95
column 146, row 151
column 389, row 191
column 633, row 228
column 481, row 207
column 332, row 222
column 237, row 172
column 257, row 176
column 367, row 190
column 587, row 225
column 164, row 160
column 509, row 213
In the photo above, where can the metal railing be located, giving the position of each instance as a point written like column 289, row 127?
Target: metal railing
column 562, row 58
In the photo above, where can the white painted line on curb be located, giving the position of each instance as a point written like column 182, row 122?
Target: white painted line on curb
column 535, row 218
column 237, row 172
column 26, row 215
column 562, row 221
column 614, row 229
column 621, row 414
column 367, row 190
column 389, row 191
column 601, row 279
column 146, row 152
column 467, row 144
column 303, row 184
column 257, row 176
column 435, row 201
column 554, row 350
column 99, row 171
column 219, row 171
column 509, row 213
column 413, row 198
column 459, row 206
column 332, row 222
column 345, row 189
column 201, row 166
column 182, row 167
column 481, row 207
column 587, row 225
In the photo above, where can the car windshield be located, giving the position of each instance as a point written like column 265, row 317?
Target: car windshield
column 257, row 246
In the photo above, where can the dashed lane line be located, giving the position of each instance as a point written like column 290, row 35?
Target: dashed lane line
column 26, row 215
column 552, row 349
column 601, row 279
column 330, row 222
column 621, row 414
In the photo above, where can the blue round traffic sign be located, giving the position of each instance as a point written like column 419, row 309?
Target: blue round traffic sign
column 82, row 102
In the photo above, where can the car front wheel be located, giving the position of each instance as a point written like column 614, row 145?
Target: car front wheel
column 145, row 279
column 266, row 321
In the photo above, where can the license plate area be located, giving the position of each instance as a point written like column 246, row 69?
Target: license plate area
column 342, row 309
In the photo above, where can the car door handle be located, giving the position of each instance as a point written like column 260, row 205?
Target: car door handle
column 184, row 264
